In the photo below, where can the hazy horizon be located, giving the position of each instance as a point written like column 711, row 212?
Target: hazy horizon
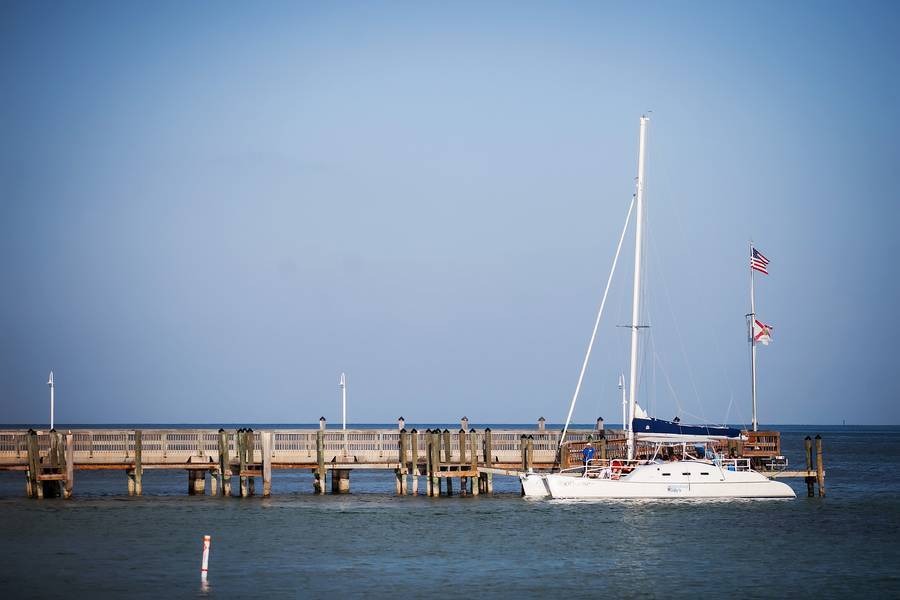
column 209, row 211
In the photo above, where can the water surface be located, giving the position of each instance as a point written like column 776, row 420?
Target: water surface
column 372, row 543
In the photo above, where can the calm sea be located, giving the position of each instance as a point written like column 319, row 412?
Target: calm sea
column 372, row 543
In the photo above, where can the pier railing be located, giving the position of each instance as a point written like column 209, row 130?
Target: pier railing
column 293, row 447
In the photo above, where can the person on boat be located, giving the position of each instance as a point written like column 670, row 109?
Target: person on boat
column 588, row 453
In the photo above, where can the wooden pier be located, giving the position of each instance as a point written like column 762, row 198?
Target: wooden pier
column 212, row 459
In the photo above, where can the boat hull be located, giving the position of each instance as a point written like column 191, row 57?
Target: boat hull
column 671, row 480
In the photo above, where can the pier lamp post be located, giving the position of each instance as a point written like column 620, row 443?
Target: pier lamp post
column 343, row 386
column 52, row 398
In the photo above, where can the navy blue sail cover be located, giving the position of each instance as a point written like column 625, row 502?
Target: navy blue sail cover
column 659, row 428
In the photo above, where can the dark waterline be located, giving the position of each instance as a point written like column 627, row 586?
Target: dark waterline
column 372, row 543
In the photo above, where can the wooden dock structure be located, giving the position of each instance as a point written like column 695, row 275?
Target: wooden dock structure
column 49, row 459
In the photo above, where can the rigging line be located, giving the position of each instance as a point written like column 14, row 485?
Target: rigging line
column 721, row 363
column 668, row 382
column 677, row 329
column 730, row 404
column 590, row 347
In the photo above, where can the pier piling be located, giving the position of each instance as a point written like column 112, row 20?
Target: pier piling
column 224, row 464
column 242, row 462
column 70, row 465
column 34, row 465
column 448, row 459
column 400, row 472
column 266, row 462
column 435, row 462
column 810, row 480
column 820, row 467
column 463, row 481
column 138, row 463
column 320, row 460
column 523, row 448
column 475, row 482
column 340, row 481
column 428, row 455
column 414, row 460
column 488, row 487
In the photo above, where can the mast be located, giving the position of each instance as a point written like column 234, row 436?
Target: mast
column 624, row 399
column 751, row 318
column 636, row 292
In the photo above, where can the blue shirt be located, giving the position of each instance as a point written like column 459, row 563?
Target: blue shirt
column 588, row 453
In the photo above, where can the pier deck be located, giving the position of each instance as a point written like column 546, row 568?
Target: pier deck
column 49, row 459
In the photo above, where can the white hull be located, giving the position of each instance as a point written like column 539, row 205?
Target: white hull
column 680, row 479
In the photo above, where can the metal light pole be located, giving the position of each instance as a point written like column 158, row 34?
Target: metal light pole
column 52, row 398
column 344, row 399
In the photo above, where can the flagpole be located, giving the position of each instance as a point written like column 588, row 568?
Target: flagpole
column 752, row 318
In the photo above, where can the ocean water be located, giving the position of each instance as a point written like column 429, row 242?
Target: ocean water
column 372, row 543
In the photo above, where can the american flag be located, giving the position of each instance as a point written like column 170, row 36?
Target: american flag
column 758, row 262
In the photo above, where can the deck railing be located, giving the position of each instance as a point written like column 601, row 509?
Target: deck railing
column 290, row 446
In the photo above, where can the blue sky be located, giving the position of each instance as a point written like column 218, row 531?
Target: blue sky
column 209, row 210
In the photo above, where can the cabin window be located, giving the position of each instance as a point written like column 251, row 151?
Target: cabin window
column 704, row 473
column 685, row 473
column 666, row 474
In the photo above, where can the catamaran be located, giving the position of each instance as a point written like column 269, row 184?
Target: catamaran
column 684, row 463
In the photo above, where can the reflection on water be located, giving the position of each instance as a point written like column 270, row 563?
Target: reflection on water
column 372, row 543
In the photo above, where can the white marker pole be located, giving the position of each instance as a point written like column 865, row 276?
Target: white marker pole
column 344, row 398
column 204, row 567
column 52, row 398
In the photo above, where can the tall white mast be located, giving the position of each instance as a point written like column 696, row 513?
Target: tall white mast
column 751, row 318
column 52, row 398
column 636, row 292
column 344, row 400
column 624, row 399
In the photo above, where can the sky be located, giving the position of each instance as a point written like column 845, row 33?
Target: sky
column 209, row 210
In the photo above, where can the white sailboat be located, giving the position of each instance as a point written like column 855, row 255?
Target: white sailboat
column 697, row 473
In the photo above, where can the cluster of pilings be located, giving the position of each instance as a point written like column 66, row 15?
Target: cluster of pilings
column 819, row 477
column 439, row 466
column 52, row 475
